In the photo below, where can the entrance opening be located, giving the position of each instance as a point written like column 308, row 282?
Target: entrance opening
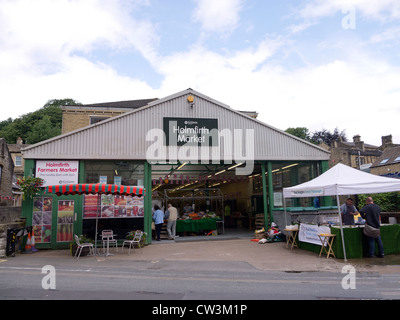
column 206, row 191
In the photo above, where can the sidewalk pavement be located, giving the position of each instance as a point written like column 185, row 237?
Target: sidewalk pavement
column 267, row 257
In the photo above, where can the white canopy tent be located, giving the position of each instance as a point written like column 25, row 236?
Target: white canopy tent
column 342, row 180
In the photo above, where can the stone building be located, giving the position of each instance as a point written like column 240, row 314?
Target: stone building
column 6, row 174
column 17, row 157
column 356, row 154
column 388, row 164
column 79, row 116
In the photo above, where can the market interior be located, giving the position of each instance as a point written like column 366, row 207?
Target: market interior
column 211, row 190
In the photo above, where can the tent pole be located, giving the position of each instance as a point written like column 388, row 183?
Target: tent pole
column 341, row 227
column 284, row 210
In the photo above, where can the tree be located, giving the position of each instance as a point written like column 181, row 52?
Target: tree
column 327, row 136
column 50, row 116
column 299, row 132
column 42, row 130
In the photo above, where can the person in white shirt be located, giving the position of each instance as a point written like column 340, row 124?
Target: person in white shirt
column 172, row 215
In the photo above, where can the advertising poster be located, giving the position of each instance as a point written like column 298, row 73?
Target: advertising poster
column 65, row 220
column 113, row 207
column 41, row 219
column 90, row 206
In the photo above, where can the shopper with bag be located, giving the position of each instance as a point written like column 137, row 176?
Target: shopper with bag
column 371, row 212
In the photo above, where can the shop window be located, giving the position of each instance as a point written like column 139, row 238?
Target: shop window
column 127, row 173
column 291, row 174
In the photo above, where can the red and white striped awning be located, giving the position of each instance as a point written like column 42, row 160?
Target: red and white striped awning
column 72, row 189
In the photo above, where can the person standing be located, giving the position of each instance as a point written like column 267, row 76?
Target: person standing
column 172, row 217
column 187, row 209
column 348, row 212
column 227, row 214
column 371, row 212
column 158, row 217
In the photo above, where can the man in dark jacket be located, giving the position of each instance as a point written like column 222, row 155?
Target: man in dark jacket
column 371, row 212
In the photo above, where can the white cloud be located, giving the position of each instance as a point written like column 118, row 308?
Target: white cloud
column 220, row 16
column 360, row 96
column 310, row 14
column 383, row 10
column 40, row 45
column 45, row 54
column 47, row 29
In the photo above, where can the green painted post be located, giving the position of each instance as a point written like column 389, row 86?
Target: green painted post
column 265, row 201
column 270, row 191
column 27, row 204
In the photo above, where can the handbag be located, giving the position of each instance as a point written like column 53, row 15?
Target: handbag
column 371, row 231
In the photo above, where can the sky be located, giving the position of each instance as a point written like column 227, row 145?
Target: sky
column 319, row 64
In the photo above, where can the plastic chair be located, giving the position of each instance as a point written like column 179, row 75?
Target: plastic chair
column 136, row 240
column 81, row 246
column 107, row 236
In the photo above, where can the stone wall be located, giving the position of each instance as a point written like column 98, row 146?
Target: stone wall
column 10, row 218
column 6, row 175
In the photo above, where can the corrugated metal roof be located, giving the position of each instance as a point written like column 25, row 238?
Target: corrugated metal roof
column 129, row 104
column 124, row 137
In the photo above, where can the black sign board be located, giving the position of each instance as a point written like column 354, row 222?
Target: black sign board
column 191, row 132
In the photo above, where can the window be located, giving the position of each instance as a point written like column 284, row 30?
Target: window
column 127, row 173
column 397, row 159
column 384, row 161
column 95, row 119
column 18, row 161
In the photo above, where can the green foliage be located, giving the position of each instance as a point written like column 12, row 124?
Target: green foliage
column 299, row 132
column 36, row 126
column 389, row 202
column 317, row 137
column 30, row 186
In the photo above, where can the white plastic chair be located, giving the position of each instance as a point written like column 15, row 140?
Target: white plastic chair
column 136, row 240
column 81, row 246
column 107, row 237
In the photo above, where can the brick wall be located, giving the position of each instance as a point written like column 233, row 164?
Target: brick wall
column 74, row 120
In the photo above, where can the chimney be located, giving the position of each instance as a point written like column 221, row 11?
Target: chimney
column 387, row 141
column 20, row 141
column 358, row 143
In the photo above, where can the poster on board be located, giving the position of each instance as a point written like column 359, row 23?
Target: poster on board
column 309, row 233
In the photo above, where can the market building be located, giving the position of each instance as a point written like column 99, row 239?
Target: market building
column 186, row 149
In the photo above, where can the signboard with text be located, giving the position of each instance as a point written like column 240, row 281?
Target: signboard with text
column 57, row 172
column 195, row 132
column 309, row 233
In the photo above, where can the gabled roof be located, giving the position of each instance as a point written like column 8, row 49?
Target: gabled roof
column 389, row 156
column 124, row 137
